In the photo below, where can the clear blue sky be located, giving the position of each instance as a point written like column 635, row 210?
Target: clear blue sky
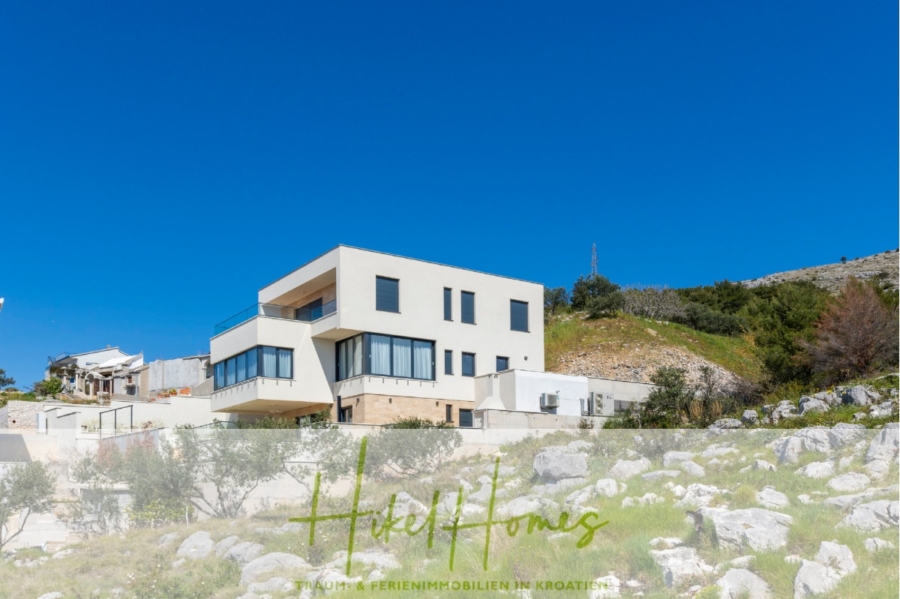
column 161, row 161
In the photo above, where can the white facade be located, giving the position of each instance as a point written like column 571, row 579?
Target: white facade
column 344, row 279
column 576, row 396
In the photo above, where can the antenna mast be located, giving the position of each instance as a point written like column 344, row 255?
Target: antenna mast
column 594, row 260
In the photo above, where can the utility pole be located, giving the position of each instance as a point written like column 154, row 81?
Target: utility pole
column 594, row 260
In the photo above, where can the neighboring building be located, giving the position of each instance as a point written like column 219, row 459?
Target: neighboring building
column 112, row 374
column 375, row 337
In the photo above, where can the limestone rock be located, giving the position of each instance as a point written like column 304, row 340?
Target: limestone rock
column 625, row 469
column 817, row 470
column 225, row 544
column 681, row 565
column 671, row 458
column 849, row 482
column 770, row 498
column 660, row 474
column 698, row 495
column 874, row 545
column 740, row 583
column 554, row 465
column 269, row 563
column 759, row 529
column 243, row 552
column 750, row 417
column 197, row 546
column 873, row 516
column 609, row 487
column 693, row 468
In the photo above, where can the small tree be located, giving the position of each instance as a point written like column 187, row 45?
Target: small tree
column 856, row 335
column 555, row 299
column 26, row 489
column 411, row 446
column 597, row 295
column 668, row 403
column 6, row 381
column 49, row 387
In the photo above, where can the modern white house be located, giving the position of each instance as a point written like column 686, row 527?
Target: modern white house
column 374, row 337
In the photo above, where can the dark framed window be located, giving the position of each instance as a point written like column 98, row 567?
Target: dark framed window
column 448, row 303
column 385, row 355
column 518, row 316
column 346, row 415
column 467, row 307
column 448, row 361
column 465, row 419
column 448, row 417
column 262, row 360
column 468, row 364
column 387, row 294
column 502, row 363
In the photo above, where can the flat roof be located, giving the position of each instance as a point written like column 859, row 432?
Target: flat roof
column 342, row 245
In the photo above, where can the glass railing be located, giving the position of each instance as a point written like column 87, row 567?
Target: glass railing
column 305, row 314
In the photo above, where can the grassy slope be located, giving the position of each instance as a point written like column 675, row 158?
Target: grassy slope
column 569, row 334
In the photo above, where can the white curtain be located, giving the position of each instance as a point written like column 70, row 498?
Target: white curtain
column 242, row 368
column 284, row 363
column 403, row 357
column 357, row 351
column 251, row 363
column 230, row 372
column 268, row 362
column 423, row 352
column 380, row 354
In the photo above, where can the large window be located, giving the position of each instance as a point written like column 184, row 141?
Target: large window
column 468, row 364
column 448, row 303
column 385, row 355
column 518, row 316
column 467, row 307
column 387, row 294
column 271, row 362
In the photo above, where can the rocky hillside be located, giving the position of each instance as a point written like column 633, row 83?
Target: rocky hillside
column 631, row 349
column 883, row 267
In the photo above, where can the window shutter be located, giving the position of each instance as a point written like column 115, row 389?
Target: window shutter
column 518, row 316
column 387, row 294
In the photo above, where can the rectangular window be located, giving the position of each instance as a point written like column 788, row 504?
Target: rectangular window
column 285, row 359
column 402, row 357
column 465, row 418
column 276, row 363
column 423, row 360
column 241, row 367
column 252, row 358
column 448, row 303
column 346, row 415
column 502, row 363
column 385, row 355
column 219, row 369
column 449, row 413
column 448, row 361
column 467, row 307
column 518, row 316
column 230, row 371
column 468, row 364
column 387, row 294
column 379, row 354
column 269, row 362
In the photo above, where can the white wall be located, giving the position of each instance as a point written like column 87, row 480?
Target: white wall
column 421, row 316
column 422, row 313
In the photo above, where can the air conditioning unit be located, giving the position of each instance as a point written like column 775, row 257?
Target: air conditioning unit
column 597, row 402
column 549, row 400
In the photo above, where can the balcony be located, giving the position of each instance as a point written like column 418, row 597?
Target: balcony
column 309, row 313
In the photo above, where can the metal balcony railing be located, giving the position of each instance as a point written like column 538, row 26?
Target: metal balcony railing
column 305, row 314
